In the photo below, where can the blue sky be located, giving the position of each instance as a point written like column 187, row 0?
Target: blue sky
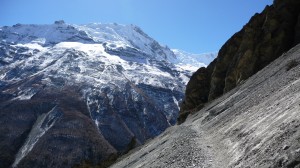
column 196, row 26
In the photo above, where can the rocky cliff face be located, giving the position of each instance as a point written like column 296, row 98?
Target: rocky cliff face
column 262, row 40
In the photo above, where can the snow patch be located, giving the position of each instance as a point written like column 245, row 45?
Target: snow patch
column 25, row 94
column 31, row 46
column 176, row 102
column 2, row 76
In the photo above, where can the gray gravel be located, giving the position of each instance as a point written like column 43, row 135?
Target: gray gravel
column 177, row 147
column 254, row 125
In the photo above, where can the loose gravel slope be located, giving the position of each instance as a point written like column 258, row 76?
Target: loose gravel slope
column 254, row 125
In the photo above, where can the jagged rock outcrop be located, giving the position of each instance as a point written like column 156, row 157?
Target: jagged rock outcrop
column 262, row 40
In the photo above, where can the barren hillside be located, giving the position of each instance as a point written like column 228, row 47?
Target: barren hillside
column 254, row 125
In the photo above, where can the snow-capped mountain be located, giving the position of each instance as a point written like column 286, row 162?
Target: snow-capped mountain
column 114, row 36
column 193, row 62
column 87, row 91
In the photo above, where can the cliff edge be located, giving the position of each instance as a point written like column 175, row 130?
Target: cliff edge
column 263, row 39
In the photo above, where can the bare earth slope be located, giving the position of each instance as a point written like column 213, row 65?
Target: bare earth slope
column 254, row 125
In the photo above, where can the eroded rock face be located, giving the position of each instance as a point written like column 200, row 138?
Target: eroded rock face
column 262, row 40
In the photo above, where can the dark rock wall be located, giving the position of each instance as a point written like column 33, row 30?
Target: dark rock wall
column 197, row 90
column 263, row 39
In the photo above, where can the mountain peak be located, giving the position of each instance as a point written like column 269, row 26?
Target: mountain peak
column 59, row 22
column 191, row 61
column 115, row 36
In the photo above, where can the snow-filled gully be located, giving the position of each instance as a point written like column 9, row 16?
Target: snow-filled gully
column 43, row 123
